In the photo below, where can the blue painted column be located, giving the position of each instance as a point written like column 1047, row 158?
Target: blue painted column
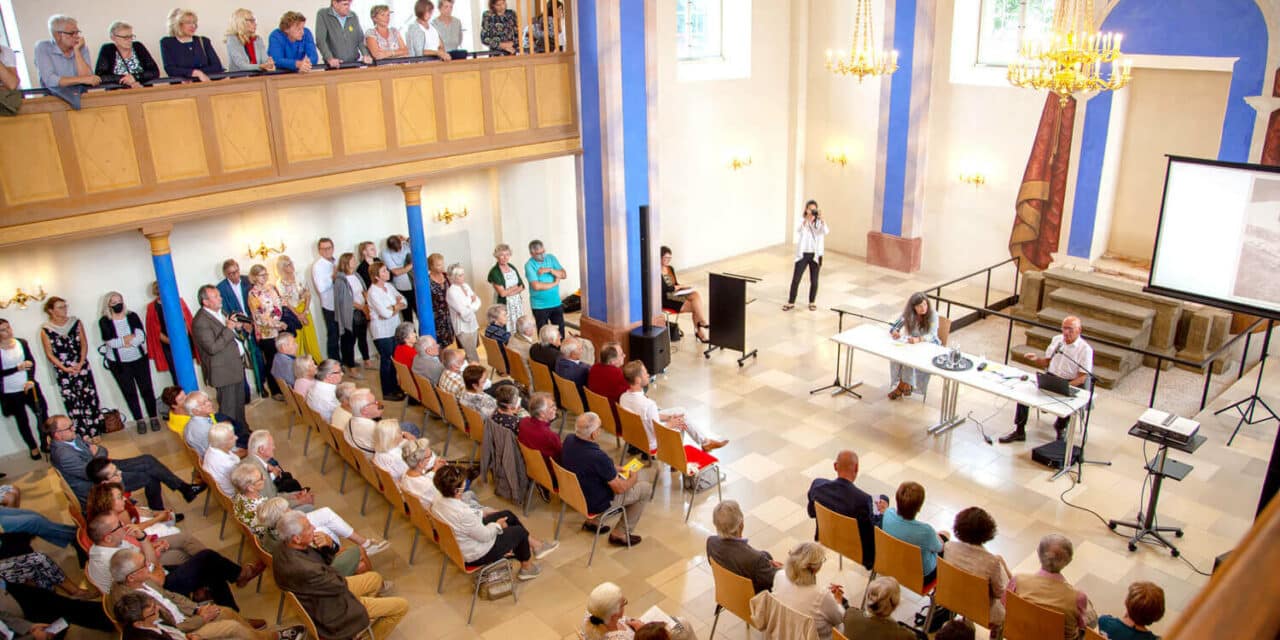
column 183, row 365
column 418, row 250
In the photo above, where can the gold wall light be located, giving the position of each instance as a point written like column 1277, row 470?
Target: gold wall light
column 739, row 162
column 447, row 215
column 21, row 298
column 974, row 178
column 262, row 252
column 838, row 157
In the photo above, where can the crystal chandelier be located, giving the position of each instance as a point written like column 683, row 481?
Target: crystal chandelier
column 1069, row 59
column 864, row 58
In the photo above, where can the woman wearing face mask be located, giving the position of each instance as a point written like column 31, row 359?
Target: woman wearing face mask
column 124, row 345
column 810, row 237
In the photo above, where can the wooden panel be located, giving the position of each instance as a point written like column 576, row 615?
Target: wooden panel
column 510, row 95
column 415, row 108
column 173, row 131
column 463, row 114
column 103, row 142
column 240, row 125
column 304, row 114
column 360, row 107
column 30, row 167
column 555, row 94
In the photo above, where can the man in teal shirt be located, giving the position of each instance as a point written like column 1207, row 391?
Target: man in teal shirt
column 544, row 273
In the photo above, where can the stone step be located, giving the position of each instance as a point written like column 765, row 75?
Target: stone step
column 1103, row 355
column 1099, row 307
column 1134, row 336
column 1107, row 376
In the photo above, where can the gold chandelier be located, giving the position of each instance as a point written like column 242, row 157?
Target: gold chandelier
column 1069, row 59
column 863, row 58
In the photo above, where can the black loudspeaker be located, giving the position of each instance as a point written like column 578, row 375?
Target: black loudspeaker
column 1050, row 454
column 649, row 344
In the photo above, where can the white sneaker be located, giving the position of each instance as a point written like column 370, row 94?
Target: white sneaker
column 546, row 549
column 374, row 547
column 530, row 573
column 388, row 587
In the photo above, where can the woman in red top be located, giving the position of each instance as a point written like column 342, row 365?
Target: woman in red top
column 406, row 336
column 605, row 377
column 535, row 431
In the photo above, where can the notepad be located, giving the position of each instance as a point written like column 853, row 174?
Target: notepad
column 632, row 465
column 683, row 292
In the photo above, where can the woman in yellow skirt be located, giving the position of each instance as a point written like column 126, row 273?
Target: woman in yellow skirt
column 298, row 298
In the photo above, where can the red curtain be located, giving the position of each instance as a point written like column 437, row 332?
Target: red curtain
column 1038, row 211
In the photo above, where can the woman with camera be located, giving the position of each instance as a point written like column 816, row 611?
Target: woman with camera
column 810, row 238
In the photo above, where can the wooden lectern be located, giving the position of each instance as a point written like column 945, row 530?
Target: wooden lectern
column 728, row 308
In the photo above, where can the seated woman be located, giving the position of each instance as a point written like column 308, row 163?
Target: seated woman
column 496, row 314
column 185, row 54
column 883, row 596
column 901, row 523
column 174, row 547
column 607, row 618
column 384, row 41
column 304, row 376
column 125, row 61
column 476, row 378
column 509, row 412
column 797, row 587
column 388, row 443
column 246, row 50
column 973, row 528
column 347, row 560
column 689, row 300
column 483, row 538
column 406, row 338
column 1143, row 607
column 293, row 47
column 918, row 323
column 419, row 480
column 499, row 28
column 35, row 569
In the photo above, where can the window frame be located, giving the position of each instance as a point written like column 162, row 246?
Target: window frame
column 734, row 61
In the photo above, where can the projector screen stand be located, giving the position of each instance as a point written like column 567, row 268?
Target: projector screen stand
column 1247, row 406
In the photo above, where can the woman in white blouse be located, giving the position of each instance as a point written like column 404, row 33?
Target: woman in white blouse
column 463, row 304
column 484, row 539
column 385, row 304
column 797, row 587
column 388, row 441
column 810, row 238
column 124, row 347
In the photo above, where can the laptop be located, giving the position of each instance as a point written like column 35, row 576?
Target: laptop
column 1050, row 383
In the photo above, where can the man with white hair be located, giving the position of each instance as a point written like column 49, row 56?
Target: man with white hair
column 731, row 551
column 342, row 414
column 262, row 451
column 366, row 412
column 63, row 60
column 451, row 378
column 323, row 395
column 200, row 407
column 426, row 360
column 286, row 354
column 1049, row 588
column 547, row 351
column 603, row 484
column 524, row 337
column 635, row 401
column 570, row 365
column 219, row 460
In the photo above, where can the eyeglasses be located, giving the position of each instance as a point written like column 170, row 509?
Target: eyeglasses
column 69, row 33
column 127, row 36
column 253, row 20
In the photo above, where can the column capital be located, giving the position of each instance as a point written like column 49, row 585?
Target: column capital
column 412, row 192
column 158, row 236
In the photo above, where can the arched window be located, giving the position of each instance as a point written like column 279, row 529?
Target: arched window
column 699, row 29
column 1006, row 24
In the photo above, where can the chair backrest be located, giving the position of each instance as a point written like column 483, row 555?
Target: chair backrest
column 570, row 489
column 474, row 421
column 111, row 615
column 427, row 393
column 777, row 620
column 1092, row 634
column 536, row 468
column 965, row 593
column 836, row 635
column 570, row 399
column 1024, row 620
column 493, row 354
column 600, row 406
column 451, row 412
column 389, row 489
column 344, row 449
column 419, row 516
column 518, row 369
column 632, row 428
column 838, row 533
column 671, row 447
column 449, row 544
column 733, row 592
column 261, row 552
column 306, row 617
column 73, row 502
column 944, row 329
column 405, row 378
column 287, row 392
column 900, row 560
column 542, row 377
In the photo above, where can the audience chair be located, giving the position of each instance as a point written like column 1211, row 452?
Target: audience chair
column 224, row 502
column 321, row 428
column 687, row 460
column 452, row 553
column 632, row 428
column 291, row 401
column 344, row 454
column 270, row 562
column 542, row 380
column 367, row 470
column 519, row 370
column 1024, row 620
column 836, row 635
column 733, row 592
column 601, row 406
column 474, row 421
column 571, row 495
column 310, row 624
column 537, row 471
column 111, row 615
column 73, row 502
column 570, row 399
column 838, row 533
column 777, row 620
column 395, row 501
column 427, row 392
column 1093, row 634
column 422, row 523
column 964, row 593
column 452, row 417
column 493, row 354
column 901, row 560
column 246, row 534
column 410, row 388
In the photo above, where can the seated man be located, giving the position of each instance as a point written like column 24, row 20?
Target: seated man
column 525, row 336
column 1143, row 607
column 636, row 402
column 199, row 407
column 547, row 351
column 175, row 398
column 1068, row 356
column 340, row 607
column 70, row 456
column 286, row 354
column 732, row 552
column 219, row 459
column 323, row 395
column 1048, row 588
column 602, row 485
column 342, row 414
column 843, row 497
column 570, row 365
column 426, row 362
column 63, row 61
column 262, row 451
column 605, row 377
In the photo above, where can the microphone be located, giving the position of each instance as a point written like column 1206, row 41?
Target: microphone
column 1056, row 351
column 897, row 325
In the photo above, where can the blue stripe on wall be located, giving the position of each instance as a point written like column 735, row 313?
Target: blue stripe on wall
column 635, row 140
column 592, row 161
column 1093, row 144
column 895, row 166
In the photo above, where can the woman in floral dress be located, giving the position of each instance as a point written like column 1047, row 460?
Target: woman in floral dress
column 298, row 297
column 267, row 310
column 67, row 349
column 439, row 304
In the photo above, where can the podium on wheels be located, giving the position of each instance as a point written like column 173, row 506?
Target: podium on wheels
column 728, row 306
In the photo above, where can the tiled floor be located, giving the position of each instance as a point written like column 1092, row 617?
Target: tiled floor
column 782, row 437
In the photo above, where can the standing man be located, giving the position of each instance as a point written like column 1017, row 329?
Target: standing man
column 221, row 352
column 544, row 273
column 339, row 35
column 322, row 276
column 234, row 289
column 63, row 60
column 1069, row 357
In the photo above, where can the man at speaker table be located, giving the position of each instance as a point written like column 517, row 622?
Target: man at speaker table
column 1069, row 357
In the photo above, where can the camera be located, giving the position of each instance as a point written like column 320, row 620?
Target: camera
column 240, row 317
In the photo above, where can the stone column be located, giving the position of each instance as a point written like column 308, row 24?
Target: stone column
column 183, row 365
column 418, row 250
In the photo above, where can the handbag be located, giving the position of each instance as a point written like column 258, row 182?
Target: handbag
column 112, row 420
column 496, row 585
column 291, row 320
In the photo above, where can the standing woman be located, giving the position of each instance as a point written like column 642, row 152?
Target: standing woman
column 67, row 349
column 18, row 387
column 158, row 334
column 450, row 30
column 439, row 301
column 385, row 305
column 400, row 261
column 349, row 307
column 366, row 252
column 185, row 54
column 463, row 304
column 384, row 40
column 297, row 298
column 124, row 347
column 810, row 239
column 919, row 323
column 499, row 28
column 267, row 310
column 691, row 301
column 125, row 61
column 507, row 285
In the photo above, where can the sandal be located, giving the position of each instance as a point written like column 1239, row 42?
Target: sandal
column 895, row 394
column 788, row 306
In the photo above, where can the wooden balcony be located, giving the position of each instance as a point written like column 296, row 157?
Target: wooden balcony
column 133, row 157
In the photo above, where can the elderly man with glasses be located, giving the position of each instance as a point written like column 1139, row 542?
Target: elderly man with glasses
column 71, row 456
column 63, row 60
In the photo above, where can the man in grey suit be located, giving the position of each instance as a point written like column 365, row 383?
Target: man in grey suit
column 221, row 353
column 71, row 456
column 732, row 552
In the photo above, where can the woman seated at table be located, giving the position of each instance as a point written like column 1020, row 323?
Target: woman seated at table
column 918, row 323
column 125, row 61
column 246, row 51
column 292, row 45
column 185, row 54
column 384, row 41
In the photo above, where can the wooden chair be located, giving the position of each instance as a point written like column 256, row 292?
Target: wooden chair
column 452, row 553
column 633, row 433
column 601, row 406
column 395, row 501
column 839, row 533
column 902, row 561
column 453, row 419
column 224, row 502
column 336, row 434
column 536, row 468
column 321, row 428
column 788, row 622
column 428, row 397
column 73, row 501
column 111, row 615
column 1093, row 634
column 542, row 380
column 410, row 388
column 1024, row 620
column 356, row 460
column 311, row 624
column 964, row 593
column 836, row 635
column 422, row 523
column 366, row 467
column 733, row 592
column 687, row 460
column 474, row 421
column 571, row 495
column 493, row 354
column 944, row 334
column 570, row 399
column 291, row 401
column 518, row 369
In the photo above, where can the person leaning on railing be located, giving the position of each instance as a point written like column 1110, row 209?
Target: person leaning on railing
column 292, row 45
column 185, row 54
column 339, row 36
column 499, row 28
column 421, row 36
column 383, row 40
column 450, row 30
column 125, row 60
column 246, row 50
column 63, row 60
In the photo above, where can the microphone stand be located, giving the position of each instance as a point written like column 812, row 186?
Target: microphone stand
column 1079, row 461
column 842, row 387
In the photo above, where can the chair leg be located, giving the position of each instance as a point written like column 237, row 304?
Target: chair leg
column 223, row 527
column 475, row 595
column 289, row 435
column 870, row 576
column 324, row 460
column 448, row 434
column 386, row 527
column 528, row 497
column 208, row 493
column 413, row 548
column 258, row 589
column 444, row 564
column 653, row 487
column 715, row 621
column 280, row 609
column 240, row 550
column 928, row 618
column 595, row 538
column 306, row 444
column 342, row 486
column 364, row 502
column 558, row 521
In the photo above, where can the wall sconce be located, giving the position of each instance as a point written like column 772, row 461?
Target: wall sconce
column 263, row 251
column 447, row 215
column 838, row 157
column 739, row 162
column 974, row 178
column 21, row 298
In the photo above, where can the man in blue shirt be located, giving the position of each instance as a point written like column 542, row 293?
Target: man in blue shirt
column 602, row 485
column 544, row 273
column 841, row 496
column 292, row 46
